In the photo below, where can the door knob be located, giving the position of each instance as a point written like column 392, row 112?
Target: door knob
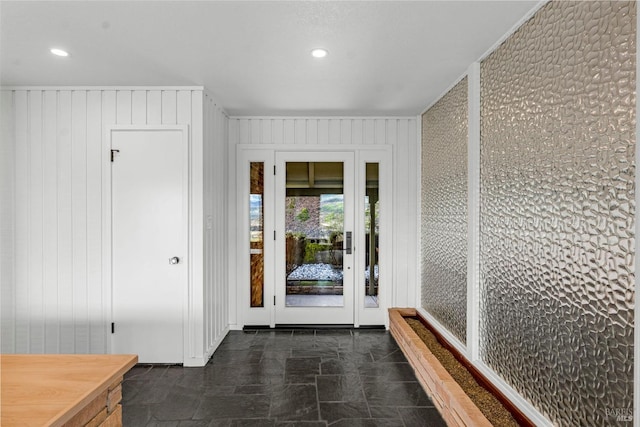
column 174, row 260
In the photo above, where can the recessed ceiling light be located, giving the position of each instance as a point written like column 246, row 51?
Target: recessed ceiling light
column 319, row 53
column 59, row 52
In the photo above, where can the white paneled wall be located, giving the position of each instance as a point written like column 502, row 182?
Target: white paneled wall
column 55, row 268
column 321, row 131
column 7, row 221
column 216, row 284
column 399, row 132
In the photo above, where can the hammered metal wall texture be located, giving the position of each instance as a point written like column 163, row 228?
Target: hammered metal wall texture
column 557, row 211
column 444, row 210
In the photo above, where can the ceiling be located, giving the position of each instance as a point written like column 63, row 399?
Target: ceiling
column 386, row 58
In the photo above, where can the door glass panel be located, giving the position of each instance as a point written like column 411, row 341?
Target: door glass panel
column 256, row 223
column 371, row 230
column 314, row 227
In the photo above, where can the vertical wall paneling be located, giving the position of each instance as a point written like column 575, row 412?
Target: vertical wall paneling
column 323, row 131
column 217, row 229
column 412, row 178
column 50, row 221
column 207, row 206
column 96, row 320
column 216, row 224
column 234, row 129
column 168, row 107
column 255, row 132
column 288, row 132
column 222, row 237
column 266, row 132
column 369, row 129
column 212, row 256
column 380, row 131
column 345, row 130
column 245, row 129
column 7, row 222
column 312, row 131
column 79, row 218
column 139, row 107
column 400, row 194
column 356, row 131
column 56, row 275
column 231, row 190
column 300, row 131
column 36, row 324
column 224, row 223
column 277, row 127
column 154, row 107
column 215, row 218
column 21, row 215
column 123, row 107
column 109, row 117
column 65, row 225
column 334, row 131
column 418, row 195
column 391, row 136
column 195, row 324
column 183, row 106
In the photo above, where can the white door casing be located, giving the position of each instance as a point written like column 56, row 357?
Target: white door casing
column 149, row 188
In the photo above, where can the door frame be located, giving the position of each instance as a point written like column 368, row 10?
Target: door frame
column 107, row 229
column 265, row 316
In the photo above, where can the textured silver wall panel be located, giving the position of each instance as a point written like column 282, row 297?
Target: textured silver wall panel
column 444, row 210
column 557, row 210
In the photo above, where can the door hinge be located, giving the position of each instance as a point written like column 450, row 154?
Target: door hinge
column 113, row 328
column 274, row 169
column 112, row 154
column 274, row 234
column 274, row 300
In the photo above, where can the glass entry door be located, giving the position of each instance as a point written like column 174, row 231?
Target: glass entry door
column 314, row 238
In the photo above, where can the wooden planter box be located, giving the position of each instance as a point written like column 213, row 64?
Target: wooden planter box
column 452, row 402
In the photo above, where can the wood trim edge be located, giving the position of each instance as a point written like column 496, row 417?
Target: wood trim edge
column 517, row 414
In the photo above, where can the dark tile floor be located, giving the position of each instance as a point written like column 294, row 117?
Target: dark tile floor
column 284, row 378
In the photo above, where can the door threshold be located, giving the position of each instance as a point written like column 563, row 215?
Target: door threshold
column 309, row 326
column 313, row 326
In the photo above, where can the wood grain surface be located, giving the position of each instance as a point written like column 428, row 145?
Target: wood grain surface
column 49, row 390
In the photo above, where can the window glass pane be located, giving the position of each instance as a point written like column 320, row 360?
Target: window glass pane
column 314, row 225
column 371, row 230
column 256, row 220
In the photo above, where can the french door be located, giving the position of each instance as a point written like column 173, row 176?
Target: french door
column 314, row 212
column 313, row 229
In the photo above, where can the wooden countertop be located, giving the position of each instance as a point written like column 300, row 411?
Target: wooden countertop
column 49, row 389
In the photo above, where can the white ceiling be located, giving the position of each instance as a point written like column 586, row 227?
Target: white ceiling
column 385, row 57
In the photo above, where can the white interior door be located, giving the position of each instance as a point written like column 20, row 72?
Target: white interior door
column 149, row 242
column 314, row 205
